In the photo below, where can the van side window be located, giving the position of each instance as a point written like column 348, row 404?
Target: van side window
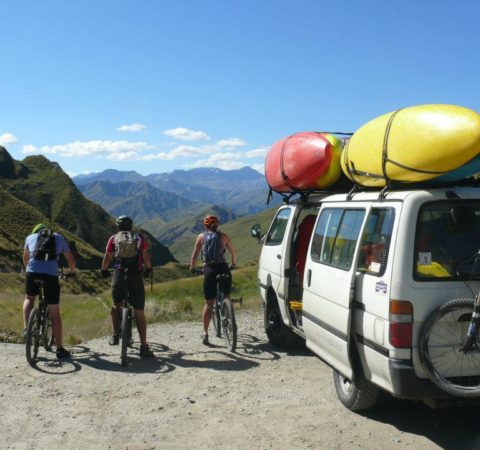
column 278, row 227
column 336, row 236
column 375, row 241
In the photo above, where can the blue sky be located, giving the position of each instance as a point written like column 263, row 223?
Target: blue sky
column 159, row 85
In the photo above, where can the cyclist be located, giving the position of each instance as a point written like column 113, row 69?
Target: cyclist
column 40, row 258
column 212, row 244
column 129, row 251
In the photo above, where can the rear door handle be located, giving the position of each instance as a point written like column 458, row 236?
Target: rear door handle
column 309, row 277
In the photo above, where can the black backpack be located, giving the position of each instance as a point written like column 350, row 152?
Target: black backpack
column 45, row 248
column 212, row 249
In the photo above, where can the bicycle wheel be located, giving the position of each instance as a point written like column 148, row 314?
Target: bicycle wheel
column 441, row 339
column 130, row 327
column 216, row 319
column 32, row 339
column 124, row 336
column 46, row 332
column 229, row 325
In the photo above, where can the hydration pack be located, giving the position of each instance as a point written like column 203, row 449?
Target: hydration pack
column 45, row 248
column 127, row 248
column 212, row 249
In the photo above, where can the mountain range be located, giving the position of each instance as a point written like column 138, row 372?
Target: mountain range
column 37, row 190
column 243, row 191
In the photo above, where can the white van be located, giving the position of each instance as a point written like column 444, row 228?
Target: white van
column 357, row 276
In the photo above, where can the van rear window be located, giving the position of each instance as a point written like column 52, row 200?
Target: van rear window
column 447, row 233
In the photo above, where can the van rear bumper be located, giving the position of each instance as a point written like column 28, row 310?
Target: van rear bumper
column 407, row 385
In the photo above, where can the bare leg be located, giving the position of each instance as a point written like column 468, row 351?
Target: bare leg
column 141, row 325
column 28, row 304
column 56, row 324
column 207, row 314
column 116, row 313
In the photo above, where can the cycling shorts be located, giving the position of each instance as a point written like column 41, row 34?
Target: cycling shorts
column 210, row 280
column 131, row 284
column 51, row 287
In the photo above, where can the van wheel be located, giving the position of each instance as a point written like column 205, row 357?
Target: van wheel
column 277, row 332
column 356, row 396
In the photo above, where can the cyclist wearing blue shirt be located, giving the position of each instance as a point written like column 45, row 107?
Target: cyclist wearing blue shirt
column 46, row 270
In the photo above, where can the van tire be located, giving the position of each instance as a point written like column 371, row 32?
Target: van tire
column 355, row 396
column 278, row 334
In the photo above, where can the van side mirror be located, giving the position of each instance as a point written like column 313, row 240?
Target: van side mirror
column 256, row 232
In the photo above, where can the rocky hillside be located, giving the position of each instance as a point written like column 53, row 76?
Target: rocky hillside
column 37, row 190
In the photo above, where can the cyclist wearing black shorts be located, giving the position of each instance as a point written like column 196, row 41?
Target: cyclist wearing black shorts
column 212, row 244
column 130, row 254
column 41, row 263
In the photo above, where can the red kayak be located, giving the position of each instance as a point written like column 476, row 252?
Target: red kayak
column 297, row 162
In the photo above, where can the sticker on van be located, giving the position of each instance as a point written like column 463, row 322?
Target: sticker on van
column 381, row 287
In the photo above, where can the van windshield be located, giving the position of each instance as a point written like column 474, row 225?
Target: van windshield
column 447, row 233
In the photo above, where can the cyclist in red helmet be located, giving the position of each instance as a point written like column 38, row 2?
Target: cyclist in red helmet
column 212, row 244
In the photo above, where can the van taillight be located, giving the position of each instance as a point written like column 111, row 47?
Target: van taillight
column 401, row 320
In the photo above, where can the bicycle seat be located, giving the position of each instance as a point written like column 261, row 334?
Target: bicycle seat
column 38, row 281
column 222, row 276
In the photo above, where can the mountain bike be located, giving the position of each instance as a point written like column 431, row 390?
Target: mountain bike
column 223, row 312
column 39, row 327
column 449, row 344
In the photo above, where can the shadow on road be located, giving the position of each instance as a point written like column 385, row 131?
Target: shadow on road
column 450, row 428
column 250, row 351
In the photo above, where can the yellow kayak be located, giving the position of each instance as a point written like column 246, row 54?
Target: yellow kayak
column 413, row 144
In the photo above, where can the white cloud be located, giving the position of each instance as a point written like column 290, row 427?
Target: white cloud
column 7, row 139
column 134, row 127
column 231, row 143
column 125, row 156
column 182, row 151
column 260, row 152
column 225, row 161
column 184, row 134
column 89, row 148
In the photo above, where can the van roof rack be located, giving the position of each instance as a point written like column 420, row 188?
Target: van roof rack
column 350, row 189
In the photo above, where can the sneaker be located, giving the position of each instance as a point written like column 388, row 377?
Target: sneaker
column 62, row 353
column 113, row 340
column 205, row 339
column 145, row 351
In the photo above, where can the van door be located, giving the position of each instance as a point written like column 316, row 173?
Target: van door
column 329, row 282
column 275, row 256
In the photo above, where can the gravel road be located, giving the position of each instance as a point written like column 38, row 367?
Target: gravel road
column 193, row 396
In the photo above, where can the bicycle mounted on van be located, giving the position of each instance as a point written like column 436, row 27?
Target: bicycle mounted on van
column 343, row 273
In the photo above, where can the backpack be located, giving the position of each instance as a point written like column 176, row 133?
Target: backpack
column 45, row 248
column 127, row 248
column 212, row 248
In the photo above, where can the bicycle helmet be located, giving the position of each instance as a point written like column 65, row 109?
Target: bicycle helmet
column 124, row 223
column 38, row 227
column 210, row 222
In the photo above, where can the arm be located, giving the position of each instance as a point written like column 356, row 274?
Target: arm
column 196, row 251
column 26, row 256
column 231, row 249
column 107, row 258
column 147, row 261
column 71, row 261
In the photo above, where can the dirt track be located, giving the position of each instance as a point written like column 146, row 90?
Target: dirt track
column 192, row 396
